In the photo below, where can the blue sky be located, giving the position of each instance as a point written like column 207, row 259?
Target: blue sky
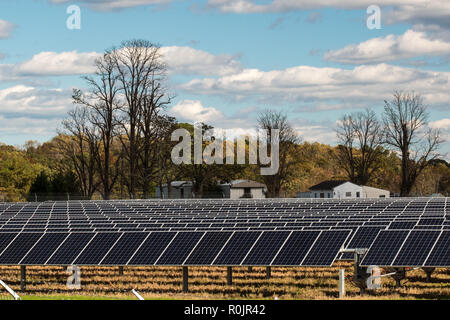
column 228, row 59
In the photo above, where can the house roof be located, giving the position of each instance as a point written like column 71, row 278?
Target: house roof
column 246, row 184
column 178, row 184
column 328, row 185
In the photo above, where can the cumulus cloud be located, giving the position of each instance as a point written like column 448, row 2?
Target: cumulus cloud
column 6, row 29
column 181, row 60
column 186, row 60
column 440, row 124
column 108, row 5
column 194, row 111
column 249, row 6
column 391, row 47
column 362, row 83
column 28, row 126
column 63, row 63
column 29, row 101
column 425, row 12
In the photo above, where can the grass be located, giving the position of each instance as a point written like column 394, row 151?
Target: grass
column 104, row 283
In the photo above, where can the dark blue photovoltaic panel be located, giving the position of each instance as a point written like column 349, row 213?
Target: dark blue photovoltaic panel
column 326, row 248
column 44, row 249
column 402, row 225
column 124, row 248
column 237, row 248
column 180, row 248
column 97, row 249
column 440, row 255
column 19, row 247
column 70, row 249
column 416, row 248
column 266, row 248
column 362, row 239
column 208, row 248
column 5, row 240
column 296, row 248
column 385, row 248
column 152, row 248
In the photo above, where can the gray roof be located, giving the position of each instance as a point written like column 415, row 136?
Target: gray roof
column 328, row 185
column 246, row 184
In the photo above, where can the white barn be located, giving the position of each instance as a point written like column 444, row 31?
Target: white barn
column 342, row 189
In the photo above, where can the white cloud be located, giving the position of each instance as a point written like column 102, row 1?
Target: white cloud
column 30, row 101
column 63, row 63
column 180, row 60
column 362, row 83
column 6, row 29
column 194, row 111
column 440, row 124
column 427, row 12
column 186, row 60
column 391, row 47
column 107, row 5
column 33, row 127
column 249, row 6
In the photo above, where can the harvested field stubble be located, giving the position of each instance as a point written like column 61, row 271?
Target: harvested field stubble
column 210, row 283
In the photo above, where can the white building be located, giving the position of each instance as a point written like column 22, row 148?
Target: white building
column 178, row 190
column 237, row 189
column 341, row 189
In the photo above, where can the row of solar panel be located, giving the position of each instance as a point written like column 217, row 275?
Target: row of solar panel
column 399, row 248
column 272, row 248
column 224, row 211
column 220, row 225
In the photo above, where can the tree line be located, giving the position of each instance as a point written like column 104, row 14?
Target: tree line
column 116, row 142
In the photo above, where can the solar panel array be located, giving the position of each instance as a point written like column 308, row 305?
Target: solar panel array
column 183, row 248
column 269, row 232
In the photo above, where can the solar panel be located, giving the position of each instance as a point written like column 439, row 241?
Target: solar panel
column 440, row 254
column 70, row 249
column 97, row 248
column 180, row 248
column 40, row 253
column 208, row 248
column 326, row 248
column 149, row 252
column 124, row 248
column 265, row 249
column 416, row 248
column 237, row 248
column 18, row 248
column 385, row 247
column 127, row 224
column 296, row 248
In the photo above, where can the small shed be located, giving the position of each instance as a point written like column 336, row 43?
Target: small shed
column 238, row 189
column 178, row 190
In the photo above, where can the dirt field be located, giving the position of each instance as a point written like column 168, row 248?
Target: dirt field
column 210, row 283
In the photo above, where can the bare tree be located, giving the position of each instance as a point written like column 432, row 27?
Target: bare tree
column 405, row 120
column 360, row 138
column 103, row 104
column 167, row 170
column 288, row 151
column 152, row 129
column 137, row 62
column 78, row 142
